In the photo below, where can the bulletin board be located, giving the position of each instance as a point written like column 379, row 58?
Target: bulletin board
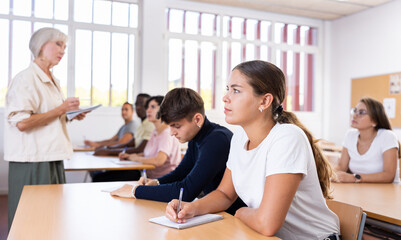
column 384, row 88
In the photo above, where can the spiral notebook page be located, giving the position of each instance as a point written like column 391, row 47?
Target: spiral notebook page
column 195, row 221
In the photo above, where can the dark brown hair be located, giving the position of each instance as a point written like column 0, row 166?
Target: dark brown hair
column 378, row 115
column 181, row 103
column 158, row 99
column 265, row 77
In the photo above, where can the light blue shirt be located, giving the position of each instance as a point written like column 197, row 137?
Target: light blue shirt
column 126, row 128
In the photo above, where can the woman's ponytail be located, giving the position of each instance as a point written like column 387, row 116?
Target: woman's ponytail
column 323, row 167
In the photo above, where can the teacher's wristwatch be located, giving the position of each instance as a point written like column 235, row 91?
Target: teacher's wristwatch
column 357, row 177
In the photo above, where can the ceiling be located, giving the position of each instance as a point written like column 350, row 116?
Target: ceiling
column 320, row 9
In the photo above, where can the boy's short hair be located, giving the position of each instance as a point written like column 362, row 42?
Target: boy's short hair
column 132, row 107
column 181, row 103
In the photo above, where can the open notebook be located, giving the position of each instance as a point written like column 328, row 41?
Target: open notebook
column 198, row 220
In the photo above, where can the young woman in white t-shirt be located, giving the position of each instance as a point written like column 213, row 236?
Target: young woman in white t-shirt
column 273, row 164
column 371, row 150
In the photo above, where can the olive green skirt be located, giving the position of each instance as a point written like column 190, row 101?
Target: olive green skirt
column 30, row 173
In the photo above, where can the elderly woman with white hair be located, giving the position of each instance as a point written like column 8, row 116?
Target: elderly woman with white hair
column 36, row 137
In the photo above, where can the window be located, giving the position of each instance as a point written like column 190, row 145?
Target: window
column 192, row 60
column 198, row 42
column 99, row 62
column 298, row 66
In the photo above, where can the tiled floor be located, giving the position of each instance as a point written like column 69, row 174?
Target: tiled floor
column 3, row 217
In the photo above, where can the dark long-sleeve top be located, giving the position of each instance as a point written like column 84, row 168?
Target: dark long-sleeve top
column 201, row 169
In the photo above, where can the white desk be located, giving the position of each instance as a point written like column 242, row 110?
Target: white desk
column 86, row 161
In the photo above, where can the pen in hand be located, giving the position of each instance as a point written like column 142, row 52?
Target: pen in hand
column 120, row 156
column 125, row 149
column 179, row 201
column 144, row 176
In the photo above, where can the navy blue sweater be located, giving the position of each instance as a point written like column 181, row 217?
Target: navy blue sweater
column 201, row 169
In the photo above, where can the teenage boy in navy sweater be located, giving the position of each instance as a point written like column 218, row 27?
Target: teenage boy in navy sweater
column 204, row 163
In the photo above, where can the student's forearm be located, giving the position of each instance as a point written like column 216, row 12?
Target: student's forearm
column 114, row 142
column 111, row 142
column 102, row 151
column 133, row 150
column 139, row 148
column 105, row 143
column 381, row 177
column 117, row 146
column 215, row 201
column 152, row 161
column 257, row 221
column 343, row 162
column 40, row 119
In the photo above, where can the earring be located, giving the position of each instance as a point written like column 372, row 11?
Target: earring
column 198, row 125
column 260, row 109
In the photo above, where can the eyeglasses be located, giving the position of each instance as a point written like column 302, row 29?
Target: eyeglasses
column 358, row 112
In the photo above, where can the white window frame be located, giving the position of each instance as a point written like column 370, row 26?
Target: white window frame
column 72, row 27
column 317, row 113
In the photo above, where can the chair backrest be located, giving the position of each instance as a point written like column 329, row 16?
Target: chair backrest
column 352, row 219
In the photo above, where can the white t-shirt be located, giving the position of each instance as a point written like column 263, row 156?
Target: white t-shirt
column 372, row 160
column 285, row 150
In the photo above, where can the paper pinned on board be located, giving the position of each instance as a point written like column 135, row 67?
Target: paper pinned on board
column 72, row 114
column 389, row 107
column 191, row 222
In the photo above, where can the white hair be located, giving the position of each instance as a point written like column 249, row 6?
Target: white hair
column 42, row 36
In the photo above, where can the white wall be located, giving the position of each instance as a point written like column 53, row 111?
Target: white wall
column 364, row 44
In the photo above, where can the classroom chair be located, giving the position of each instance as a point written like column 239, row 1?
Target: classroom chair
column 352, row 219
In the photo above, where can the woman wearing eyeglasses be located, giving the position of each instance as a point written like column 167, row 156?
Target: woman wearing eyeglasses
column 371, row 149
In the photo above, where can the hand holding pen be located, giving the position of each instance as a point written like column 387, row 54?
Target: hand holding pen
column 149, row 182
column 123, row 155
column 186, row 210
column 180, row 200
column 145, row 177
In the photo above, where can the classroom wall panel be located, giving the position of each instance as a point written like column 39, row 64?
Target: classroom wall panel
column 363, row 44
column 153, row 52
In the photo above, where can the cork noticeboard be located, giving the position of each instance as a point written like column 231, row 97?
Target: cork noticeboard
column 382, row 88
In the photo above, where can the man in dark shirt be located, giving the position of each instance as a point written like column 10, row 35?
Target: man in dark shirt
column 204, row 163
